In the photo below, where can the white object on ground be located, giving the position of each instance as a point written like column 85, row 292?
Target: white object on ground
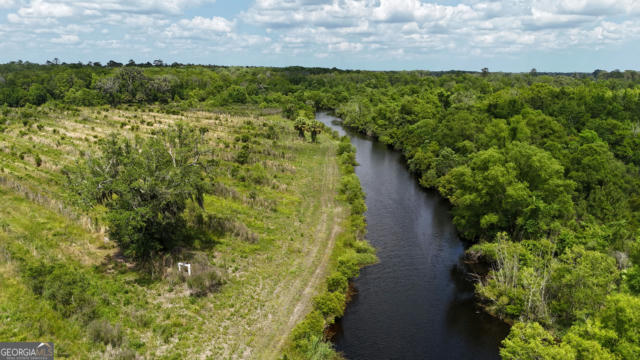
column 185, row 265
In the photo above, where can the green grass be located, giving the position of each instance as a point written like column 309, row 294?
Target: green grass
column 290, row 207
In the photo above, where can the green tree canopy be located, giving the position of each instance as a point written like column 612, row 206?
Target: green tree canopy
column 145, row 185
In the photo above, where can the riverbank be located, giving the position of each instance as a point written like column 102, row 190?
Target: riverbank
column 349, row 254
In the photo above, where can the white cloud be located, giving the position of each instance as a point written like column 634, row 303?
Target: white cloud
column 105, row 44
column 216, row 23
column 174, row 7
column 66, row 39
column 588, row 7
column 69, row 8
column 43, row 9
column 541, row 19
column 199, row 27
column 319, row 28
column 7, row 4
column 30, row 21
column 404, row 11
column 90, row 12
column 346, row 46
column 419, row 26
column 292, row 13
column 67, row 29
column 141, row 21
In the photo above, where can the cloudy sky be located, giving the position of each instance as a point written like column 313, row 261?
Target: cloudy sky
column 512, row 35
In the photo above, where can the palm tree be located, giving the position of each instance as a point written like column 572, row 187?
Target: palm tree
column 315, row 127
column 301, row 124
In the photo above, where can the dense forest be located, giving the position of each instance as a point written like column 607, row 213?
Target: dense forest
column 542, row 170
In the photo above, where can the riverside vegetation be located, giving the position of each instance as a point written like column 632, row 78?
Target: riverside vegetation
column 542, row 171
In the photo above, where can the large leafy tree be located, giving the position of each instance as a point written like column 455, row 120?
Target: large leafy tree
column 581, row 280
column 530, row 341
column 520, row 189
column 145, row 185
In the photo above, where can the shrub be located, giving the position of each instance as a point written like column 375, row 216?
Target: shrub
column 337, row 282
column 235, row 94
column 350, row 188
column 319, row 350
column 349, row 264
column 348, row 160
column 311, row 326
column 227, row 225
column 358, row 206
column 205, row 282
column 125, row 354
column 330, row 304
column 345, row 146
column 67, row 289
column 101, row 331
column 363, row 247
column 271, row 133
column 27, row 113
column 242, row 157
column 257, row 175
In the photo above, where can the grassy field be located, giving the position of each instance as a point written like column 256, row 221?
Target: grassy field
column 282, row 219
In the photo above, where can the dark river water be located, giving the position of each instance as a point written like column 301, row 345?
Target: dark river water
column 415, row 303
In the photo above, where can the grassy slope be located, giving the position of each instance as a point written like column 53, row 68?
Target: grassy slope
column 270, row 282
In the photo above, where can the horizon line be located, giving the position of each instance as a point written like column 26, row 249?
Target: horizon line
column 150, row 63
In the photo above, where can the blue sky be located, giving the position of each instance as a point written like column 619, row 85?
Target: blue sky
column 515, row 35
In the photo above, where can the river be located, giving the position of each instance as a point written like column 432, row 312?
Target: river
column 416, row 302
